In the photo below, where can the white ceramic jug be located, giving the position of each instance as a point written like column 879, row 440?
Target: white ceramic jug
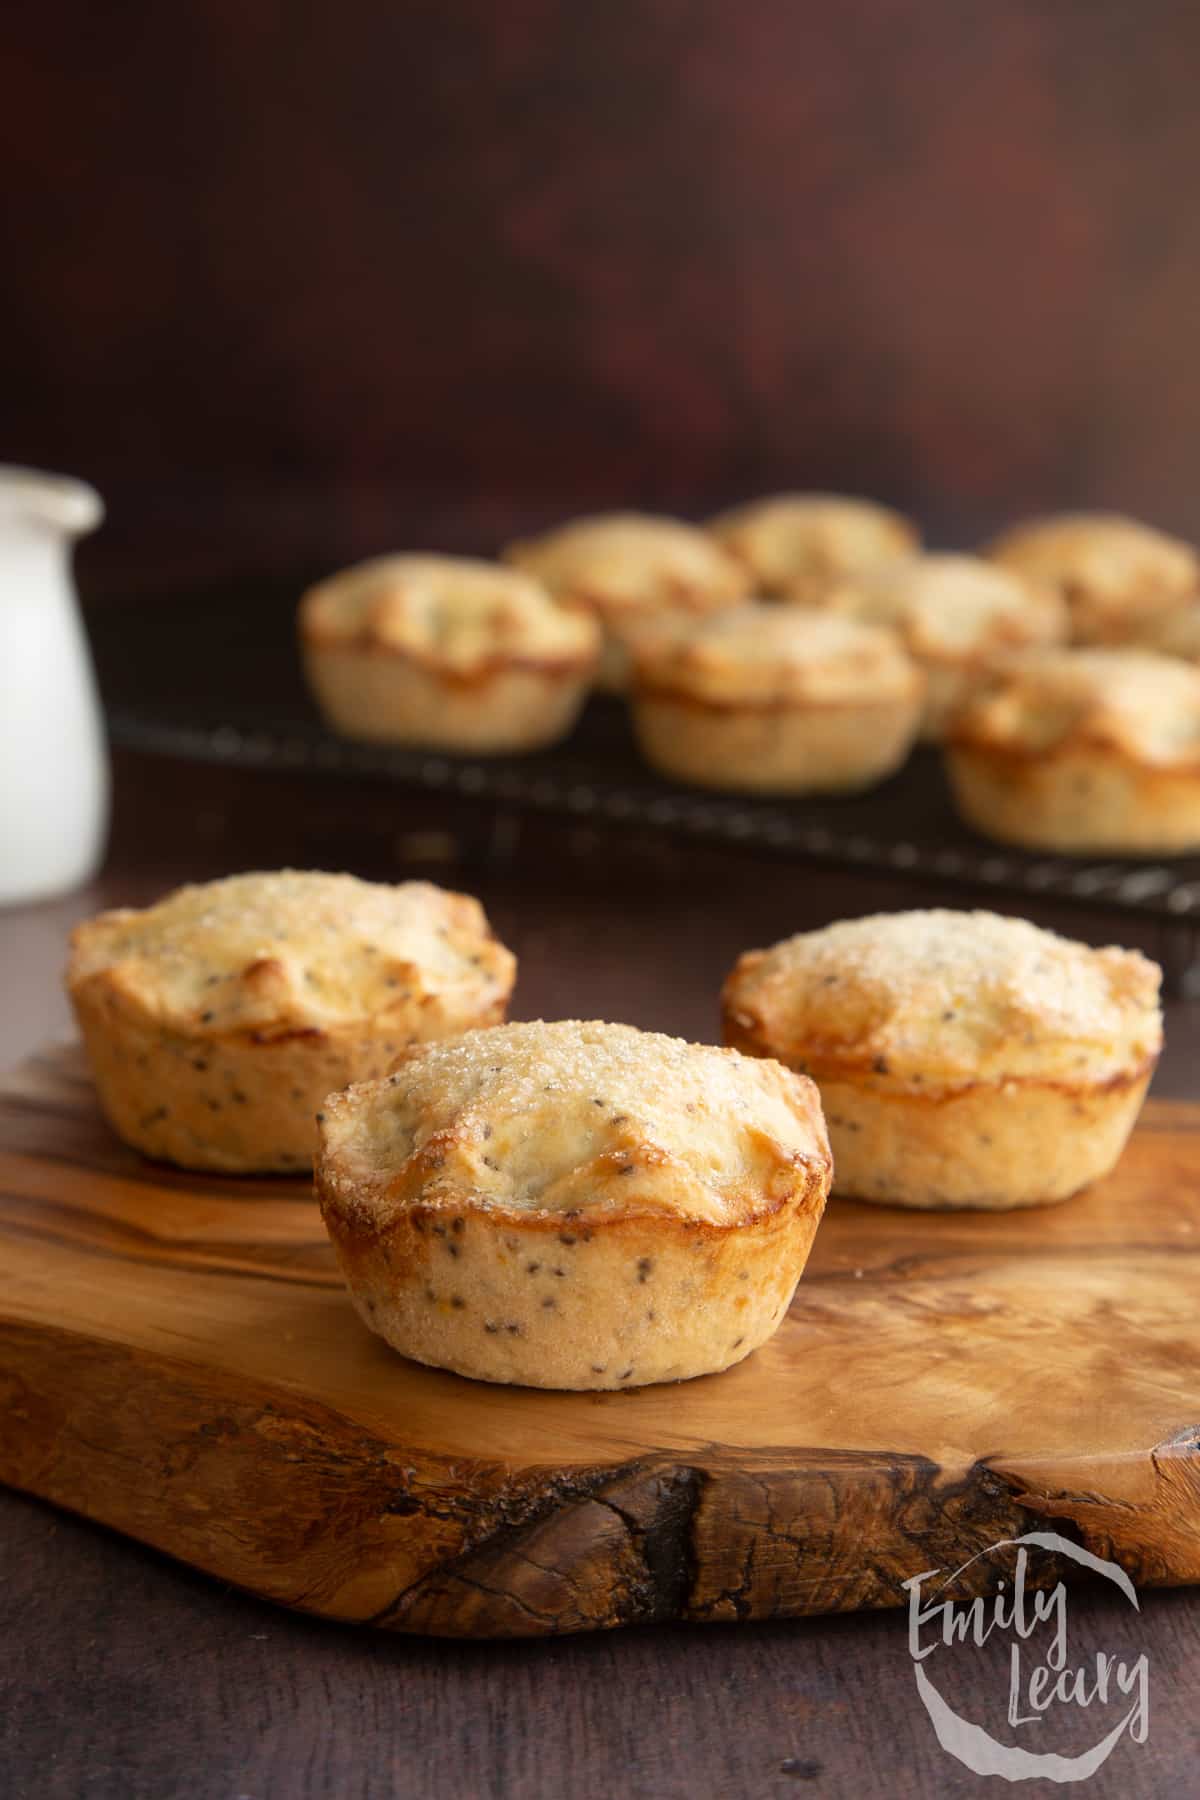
column 53, row 764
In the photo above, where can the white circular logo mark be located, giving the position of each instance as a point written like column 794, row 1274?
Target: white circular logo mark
column 1019, row 1611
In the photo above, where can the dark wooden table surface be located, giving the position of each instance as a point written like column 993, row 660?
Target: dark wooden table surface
column 125, row 1676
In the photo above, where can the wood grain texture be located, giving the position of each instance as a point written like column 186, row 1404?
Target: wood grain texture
column 177, row 1360
column 125, row 1675
column 135, row 1679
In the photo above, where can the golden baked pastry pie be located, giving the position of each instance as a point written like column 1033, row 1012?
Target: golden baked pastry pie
column 794, row 545
column 626, row 568
column 955, row 615
column 769, row 699
column 963, row 1059
column 574, row 1205
column 1082, row 751
column 1119, row 578
column 217, row 1020
column 445, row 652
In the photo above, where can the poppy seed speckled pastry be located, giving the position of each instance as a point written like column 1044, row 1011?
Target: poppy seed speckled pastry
column 770, row 699
column 574, row 1205
column 963, row 1059
column 217, row 1021
column 447, row 653
column 1082, row 751
column 955, row 615
column 1120, row 579
column 626, row 569
column 794, row 545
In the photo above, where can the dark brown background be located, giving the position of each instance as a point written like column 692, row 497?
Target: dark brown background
column 292, row 283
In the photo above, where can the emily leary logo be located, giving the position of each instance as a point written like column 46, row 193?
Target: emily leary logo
column 1039, row 1685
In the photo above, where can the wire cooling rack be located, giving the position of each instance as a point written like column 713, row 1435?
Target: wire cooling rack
column 216, row 678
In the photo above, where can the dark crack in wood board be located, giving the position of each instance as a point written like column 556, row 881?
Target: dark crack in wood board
column 178, row 1361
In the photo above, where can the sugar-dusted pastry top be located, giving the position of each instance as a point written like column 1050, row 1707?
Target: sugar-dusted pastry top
column 451, row 612
column 1136, row 703
column 629, row 562
column 791, row 539
column 951, row 609
column 1107, row 567
column 293, row 950
column 945, row 999
column 575, row 1118
column 759, row 655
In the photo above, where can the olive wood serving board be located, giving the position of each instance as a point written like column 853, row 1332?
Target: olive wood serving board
column 178, row 1361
